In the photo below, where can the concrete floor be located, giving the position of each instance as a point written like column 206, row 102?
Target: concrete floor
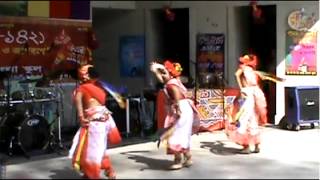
column 284, row 154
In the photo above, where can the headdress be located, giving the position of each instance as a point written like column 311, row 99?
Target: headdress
column 84, row 68
column 83, row 71
column 250, row 60
column 174, row 69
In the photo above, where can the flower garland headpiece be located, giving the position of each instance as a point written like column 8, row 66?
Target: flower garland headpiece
column 249, row 60
column 174, row 69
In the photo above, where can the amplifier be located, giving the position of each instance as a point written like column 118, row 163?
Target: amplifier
column 302, row 105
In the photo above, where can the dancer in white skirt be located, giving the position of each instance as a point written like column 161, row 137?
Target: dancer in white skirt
column 89, row 148
column 244, row 128
column 182, row 116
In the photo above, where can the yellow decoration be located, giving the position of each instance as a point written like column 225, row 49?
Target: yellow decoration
column 165, row 137
column 178, row 67
column 38, row 8
column 76, row 164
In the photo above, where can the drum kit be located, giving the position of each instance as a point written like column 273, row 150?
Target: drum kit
column 30, row 118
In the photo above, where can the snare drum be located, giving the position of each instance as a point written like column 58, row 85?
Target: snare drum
column 31, row 132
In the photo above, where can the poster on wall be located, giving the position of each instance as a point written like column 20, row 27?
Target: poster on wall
column 132, row 56
column 32, row 47
column 210, row 56
column 301, row 57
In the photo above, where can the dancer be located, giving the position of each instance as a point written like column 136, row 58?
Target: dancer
column 89, row 148
column 244, row 124
column 182, row 118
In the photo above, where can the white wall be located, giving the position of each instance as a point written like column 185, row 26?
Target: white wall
column 283, row 10
column 218, row 17
column 114, row 4
column 109, row 26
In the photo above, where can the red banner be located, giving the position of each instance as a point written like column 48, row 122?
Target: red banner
column 34, row 46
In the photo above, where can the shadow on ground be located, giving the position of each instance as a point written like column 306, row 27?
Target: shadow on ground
column 219, row 148
column 19, row 157
column 151, row 163
column 65, row 174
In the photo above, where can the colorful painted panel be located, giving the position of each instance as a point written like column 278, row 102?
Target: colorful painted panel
column 210, row 103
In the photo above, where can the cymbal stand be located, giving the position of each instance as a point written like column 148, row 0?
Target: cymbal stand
column 8, row 105
column 59, row 126
column 14, row 139
column 59, row 110
column 61, row 114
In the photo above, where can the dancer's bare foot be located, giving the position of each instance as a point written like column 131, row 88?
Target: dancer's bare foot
column 176, row 166
column 245, row 150
column 177, row 162
column 84, row 176
column 256, row 149
column 110, row 174
column 187, row 157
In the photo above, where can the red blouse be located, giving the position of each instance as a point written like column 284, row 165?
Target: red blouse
column 92, row 90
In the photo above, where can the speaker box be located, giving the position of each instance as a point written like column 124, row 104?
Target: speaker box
column 302, row 104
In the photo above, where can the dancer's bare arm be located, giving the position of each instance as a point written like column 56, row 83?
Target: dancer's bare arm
column 79, row 106
column 176, row 95
column 238, row 74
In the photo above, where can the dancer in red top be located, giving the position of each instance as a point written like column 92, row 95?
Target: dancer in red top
column 89, row 148
column 182, row 117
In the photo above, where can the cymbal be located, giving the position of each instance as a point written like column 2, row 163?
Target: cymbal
column 29, row 80
column 55, row 74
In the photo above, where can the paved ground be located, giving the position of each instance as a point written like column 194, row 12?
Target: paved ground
column 284, row 154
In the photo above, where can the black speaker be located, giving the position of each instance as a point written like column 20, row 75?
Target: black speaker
column 118, row 114
column 302, row 105
column 309, row 104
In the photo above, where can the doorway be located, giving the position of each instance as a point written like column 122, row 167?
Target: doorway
column 171, row 36
column 257, row 36
column 262, row 42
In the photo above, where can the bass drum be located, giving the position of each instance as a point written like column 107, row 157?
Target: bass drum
column 30, row 133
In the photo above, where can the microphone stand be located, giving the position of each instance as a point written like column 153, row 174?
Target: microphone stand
column 195, row 82
column 59, row 111
column 8, row 111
